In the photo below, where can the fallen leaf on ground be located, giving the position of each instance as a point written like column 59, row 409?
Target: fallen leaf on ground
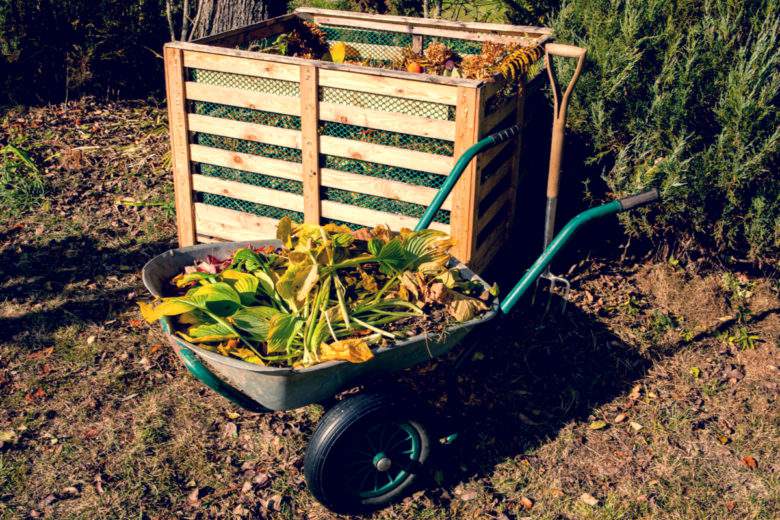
column 730, row 505
column 527, row 503
column 635, row 392
column 695, row 372
column 750, row 462
column 230, row 430
column 468, row 495
column 192, row 497
column 635, row 426
column 619, row 418
column 41, row 354
column 589, row 499
column 598, row 425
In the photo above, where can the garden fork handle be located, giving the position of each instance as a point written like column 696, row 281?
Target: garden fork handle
column 560, row 104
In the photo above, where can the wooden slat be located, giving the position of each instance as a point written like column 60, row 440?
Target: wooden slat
column 491, row 182
column 388, row 155
column 498, row 205
column 378, row 187
column 492, row 153
column 310, row 152
column 392, row 121
column 247, row 192
column 179, row 135
column 499, row 115
column 257, row 30
column 238, row 97
column 247, row 131
column 203, row 239
column 246, row 162
column 466, row 191
column 229, row 224
column 410, row 21
column 352, row 115
column 372, row 217
column 518, row 143
column 417, row 43
column 236, row 65
column 489, row 247
column 420, row 90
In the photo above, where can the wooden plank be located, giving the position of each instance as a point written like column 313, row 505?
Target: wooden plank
column 246, row 131
column 246, row 162
column 236, row 65
column 417, row 43
column 310, row 152
column 179, row 135
column 515, row 171
column 490, row 247
column 328, row 65
column 409, row 21
column 466, row 191
column 388, row 155
column 490, row 154
column 229, row 224
column 243, row 98
column 493, row 210
column 418, row 89
column 247, row 192
column 203, row 239
column 487, row 186
column 498, row 116
column 391, row 121
column 371, row 217
column 379, row 187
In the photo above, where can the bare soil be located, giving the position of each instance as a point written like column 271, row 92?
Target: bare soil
column 654, row 396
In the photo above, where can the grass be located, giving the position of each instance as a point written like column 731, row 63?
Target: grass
column 22, row 187
column 120, row 420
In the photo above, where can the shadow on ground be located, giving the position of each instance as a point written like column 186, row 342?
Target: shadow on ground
column 73, row 280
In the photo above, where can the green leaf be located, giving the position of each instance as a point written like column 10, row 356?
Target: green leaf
column 375, row 246
column 598, row 425
column 168, row 307
column 282, row 332
column 218, row 298
column 211, row 329
column 248, row 260
column 245, row 284
column 297, row 282
column 255, row 320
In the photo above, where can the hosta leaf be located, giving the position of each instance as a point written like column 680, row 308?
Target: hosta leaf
column 168, row 307
column 282, row 331
column 247, row 355
column 210, row 330
column 297, row 282
column 464, row 308
column 245, row 284
column 375, row 246
column 354, row 350
column 247, row 259
column 185, row 279
column 254, row 320
column 219, row 298
column 284, row 230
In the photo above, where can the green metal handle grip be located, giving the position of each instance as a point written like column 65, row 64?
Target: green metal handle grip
column 457, row 170
column 560, row 240
column 204, row 375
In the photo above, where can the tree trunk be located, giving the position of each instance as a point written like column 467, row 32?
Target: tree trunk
column 215, row 16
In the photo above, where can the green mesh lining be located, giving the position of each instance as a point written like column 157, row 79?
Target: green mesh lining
column 247, row 115
column 345, row 34
column 250, row 147
column 227, row 79
column 387, row 138
column 459, row 46
column 254, row 208
column 416, row 177
column 387, row 103
column 381, row 204
column 255, row 179
column 350, row 225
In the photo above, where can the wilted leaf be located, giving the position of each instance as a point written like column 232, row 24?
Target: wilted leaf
column 589, row 499
column 635, row 426
column 464, row 308
column 635, row 392
column 527, row 503
column 619, row 418
column 354, row 350
column 171, row 307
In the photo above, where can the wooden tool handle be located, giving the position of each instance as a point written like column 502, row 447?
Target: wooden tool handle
column 560, row 103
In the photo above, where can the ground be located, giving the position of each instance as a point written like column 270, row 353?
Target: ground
column 654, row 396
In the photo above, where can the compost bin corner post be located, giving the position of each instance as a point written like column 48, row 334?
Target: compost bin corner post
column 310, row 143
column 180, row 149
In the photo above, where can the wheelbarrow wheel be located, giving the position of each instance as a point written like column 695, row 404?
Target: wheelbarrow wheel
column 367, row 451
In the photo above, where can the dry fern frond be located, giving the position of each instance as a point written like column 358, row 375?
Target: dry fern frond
column 436, row 55
column 518, row 61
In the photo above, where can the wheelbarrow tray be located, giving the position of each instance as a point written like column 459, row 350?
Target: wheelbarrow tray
column 286, row 388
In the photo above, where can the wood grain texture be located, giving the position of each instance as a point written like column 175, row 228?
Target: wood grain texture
column 247, row 162
column 239, row 97
column 466, row 191
column 246, row 131
column 214, row 60
column 371, row 217
column 180, row 150
column 247, row 192
column 229, row 224
column 310, row 140
column 387, row 155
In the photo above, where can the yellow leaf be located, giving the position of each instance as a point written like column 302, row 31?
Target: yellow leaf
column 338, row 51
column 464, row 308
column 166, row 308
column 598, row 425
column 247, row 355
column 354, row 350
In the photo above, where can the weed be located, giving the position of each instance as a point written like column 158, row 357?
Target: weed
column 22, row 187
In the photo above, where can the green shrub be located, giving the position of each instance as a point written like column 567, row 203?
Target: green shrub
column 683, row 95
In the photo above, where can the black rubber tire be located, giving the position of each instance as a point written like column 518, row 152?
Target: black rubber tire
column 323, row 463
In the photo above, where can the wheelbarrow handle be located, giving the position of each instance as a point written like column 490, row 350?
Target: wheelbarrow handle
column 560, row 240
column 460, row 166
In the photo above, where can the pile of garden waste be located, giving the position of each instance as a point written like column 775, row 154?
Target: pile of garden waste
column 329, row 293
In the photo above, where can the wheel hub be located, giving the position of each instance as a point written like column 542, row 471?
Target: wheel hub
column 382, row 462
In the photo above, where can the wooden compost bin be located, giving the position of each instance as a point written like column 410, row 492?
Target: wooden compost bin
column 258, row 136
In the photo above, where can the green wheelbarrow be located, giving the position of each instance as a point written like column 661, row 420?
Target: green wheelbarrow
column 369, row 448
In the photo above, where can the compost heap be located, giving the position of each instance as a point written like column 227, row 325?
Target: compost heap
column 329, row 293
column 511, row 60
